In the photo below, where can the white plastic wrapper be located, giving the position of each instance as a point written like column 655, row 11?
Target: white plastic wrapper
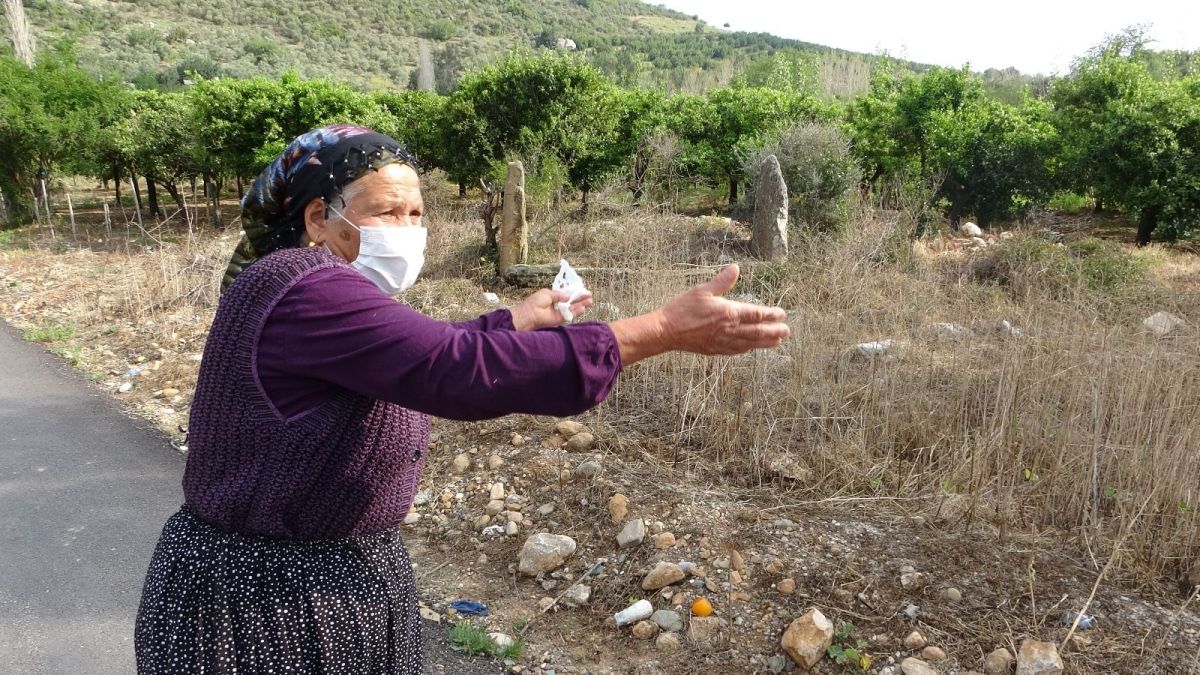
column 568, row 281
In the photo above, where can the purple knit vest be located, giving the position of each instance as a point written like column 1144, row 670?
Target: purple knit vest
column 345, row 468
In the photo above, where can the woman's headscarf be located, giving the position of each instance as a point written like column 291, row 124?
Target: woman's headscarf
column 317, row 164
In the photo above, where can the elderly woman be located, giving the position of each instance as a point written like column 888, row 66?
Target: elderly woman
column 310, row 423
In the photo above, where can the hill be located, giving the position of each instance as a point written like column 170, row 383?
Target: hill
column 400, row 45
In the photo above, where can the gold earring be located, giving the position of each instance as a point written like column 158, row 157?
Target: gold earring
column 312, row 244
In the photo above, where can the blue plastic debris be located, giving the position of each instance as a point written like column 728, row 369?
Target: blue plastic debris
column 470, row 607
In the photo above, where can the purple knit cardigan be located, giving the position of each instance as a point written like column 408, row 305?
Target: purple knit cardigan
column 347, row 467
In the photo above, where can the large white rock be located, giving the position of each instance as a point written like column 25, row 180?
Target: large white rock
column 806, row 640
column 1163, row 324
column 1038, row 658
column 970, row 230
column 544, row 552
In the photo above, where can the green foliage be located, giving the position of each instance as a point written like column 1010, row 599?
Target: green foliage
column 440, row 30
column 995, row 161
column 1132, row 140
column 51, row 115
column 528, row 104
column 790, row 70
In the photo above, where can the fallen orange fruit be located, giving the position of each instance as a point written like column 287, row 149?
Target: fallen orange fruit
column 702, row 607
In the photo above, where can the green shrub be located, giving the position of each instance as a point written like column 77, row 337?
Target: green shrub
column 1027, row 265
column 1105, row 266
column 818, row 169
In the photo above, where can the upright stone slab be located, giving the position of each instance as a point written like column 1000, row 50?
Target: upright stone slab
column 514, row 232
column 770, row 239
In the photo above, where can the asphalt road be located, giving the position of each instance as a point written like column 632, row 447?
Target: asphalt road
column 84, row 492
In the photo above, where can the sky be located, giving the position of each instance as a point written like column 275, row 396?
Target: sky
column 1033, row 36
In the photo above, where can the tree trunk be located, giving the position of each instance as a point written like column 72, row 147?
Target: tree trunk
column 1099, row 206
column 152, row 196
column 173, row 190
column 241, row 191
column 1147, row 223
column 116, row 179
column 462, row 189
column 733, row 191
column 137, row 190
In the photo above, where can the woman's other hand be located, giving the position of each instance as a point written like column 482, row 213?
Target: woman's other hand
column 539, row 310
column 702, row 322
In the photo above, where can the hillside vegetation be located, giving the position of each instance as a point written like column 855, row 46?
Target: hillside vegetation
column 159, row 43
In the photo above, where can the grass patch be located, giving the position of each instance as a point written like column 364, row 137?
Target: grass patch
column 469, row 638
column 69, row 354
column 474, row 640
column 50, row 332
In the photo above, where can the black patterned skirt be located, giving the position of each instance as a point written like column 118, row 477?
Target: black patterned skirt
column 222, row 603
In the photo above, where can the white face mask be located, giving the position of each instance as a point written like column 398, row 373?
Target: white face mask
column 392, row 256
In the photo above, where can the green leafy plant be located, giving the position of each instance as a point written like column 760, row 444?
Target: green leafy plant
column 848, row 651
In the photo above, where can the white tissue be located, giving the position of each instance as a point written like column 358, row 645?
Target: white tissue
column 568, row 281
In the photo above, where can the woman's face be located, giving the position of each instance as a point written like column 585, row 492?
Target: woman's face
column 389, row 197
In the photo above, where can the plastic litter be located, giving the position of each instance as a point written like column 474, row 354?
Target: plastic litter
column 568, row 281
column 469, row 607
column 1086, row 622
column 134, row 371
column 493, row 530
column 492, row 298
column 642, row 609
column 912, row 612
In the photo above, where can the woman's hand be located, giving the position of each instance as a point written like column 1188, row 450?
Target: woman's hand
column 539, row 311
column 702, row 322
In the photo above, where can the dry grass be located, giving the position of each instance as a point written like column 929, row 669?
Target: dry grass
column 1073, row 424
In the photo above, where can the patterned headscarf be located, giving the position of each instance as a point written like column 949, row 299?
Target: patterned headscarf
column 317, row 164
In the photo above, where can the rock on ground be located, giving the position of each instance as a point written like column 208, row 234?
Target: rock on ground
column 668, row 620
column 970, row 230
column 618, row 507
column 999, row 662
column 806, row 640
column 568, row 428
column 581, row 442
column 914, row 666
column 668, row 642
column 1038, row 658
column 645, row 630
column 915, row 641
column 664, row 574
column 632, row 534
column 544, row 552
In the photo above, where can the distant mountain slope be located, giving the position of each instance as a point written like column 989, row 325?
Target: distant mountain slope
column 382, row 45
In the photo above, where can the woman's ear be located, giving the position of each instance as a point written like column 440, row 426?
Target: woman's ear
column 314, row 221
